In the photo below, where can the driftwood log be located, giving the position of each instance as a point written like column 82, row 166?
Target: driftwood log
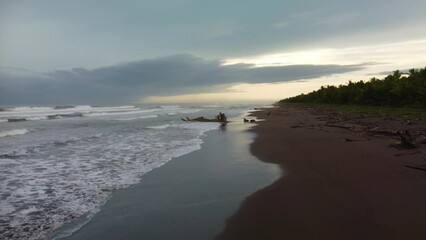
column 417, row 168
column 221, row 118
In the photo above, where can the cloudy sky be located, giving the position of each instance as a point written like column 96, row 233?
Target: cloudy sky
column 90, row 51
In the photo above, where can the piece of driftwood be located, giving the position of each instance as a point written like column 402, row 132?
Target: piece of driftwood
column 200, row 119
column 417, row 168
column 338, row 126
column 384, row 132
column 249, row 120
column 221, row 118
column 406, row 139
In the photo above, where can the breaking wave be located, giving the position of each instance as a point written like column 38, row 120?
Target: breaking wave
column 13, row 132
column 21, row 114
column 58, row 174
column 158, row 126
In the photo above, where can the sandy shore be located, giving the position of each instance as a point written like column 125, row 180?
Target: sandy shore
column 337, row 182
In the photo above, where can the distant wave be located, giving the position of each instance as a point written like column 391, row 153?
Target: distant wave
column 211, row 106
column 158, row 126
column 109, row 113
column 18, row 114
column 134, row 118
column 22, row 109
column 170, row 106
column 13, row 132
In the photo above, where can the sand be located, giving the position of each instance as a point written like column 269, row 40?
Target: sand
column 336, row 183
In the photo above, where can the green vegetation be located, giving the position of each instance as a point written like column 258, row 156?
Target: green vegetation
column 395, row 90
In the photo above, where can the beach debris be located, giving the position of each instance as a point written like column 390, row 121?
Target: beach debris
column 269, row 113
column 406, row 141
column 329, row 124
column 417, row 168
column 249, row 120
column 383, row 132
column 221, row 118
column 355, row 140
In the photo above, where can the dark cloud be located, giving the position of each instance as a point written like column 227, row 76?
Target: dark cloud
column 129, row 81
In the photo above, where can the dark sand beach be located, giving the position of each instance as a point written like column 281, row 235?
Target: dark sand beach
column 339, row 183
column 188, row 198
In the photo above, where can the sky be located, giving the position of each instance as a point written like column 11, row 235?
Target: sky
column 111, row 52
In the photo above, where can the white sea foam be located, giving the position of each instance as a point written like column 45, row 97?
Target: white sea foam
column 204, row 126
column 13, row 132
column 100, row 113
column 35, row 118
column 26, row 109
column 135, row 118
column 39, row 113
column 59, row 112
column 158, row 126
column 63, row 178
column 170, row 106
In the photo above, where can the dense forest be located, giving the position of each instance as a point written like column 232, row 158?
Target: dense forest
column 397, row 89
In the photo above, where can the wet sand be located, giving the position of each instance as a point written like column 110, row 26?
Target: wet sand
column 337, row 183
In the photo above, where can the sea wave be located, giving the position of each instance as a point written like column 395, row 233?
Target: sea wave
column 20, row 114
column 135, row 118
column 27, row 109
column 41, row 113
column 13, row 132
column 170, row 106
column 158, row 126
column 61, row 180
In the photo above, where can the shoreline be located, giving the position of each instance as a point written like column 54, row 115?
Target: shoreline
column 189, row 197
column 333, row 188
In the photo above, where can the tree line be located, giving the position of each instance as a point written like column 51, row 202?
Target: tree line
column 395, row 90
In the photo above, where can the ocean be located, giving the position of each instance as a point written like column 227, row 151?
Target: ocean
column 60, row 163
